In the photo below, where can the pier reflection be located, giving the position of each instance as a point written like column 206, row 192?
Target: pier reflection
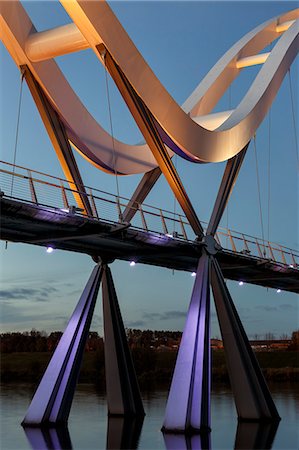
column 255, row 436
column 187, row 442
column 48, row 438
column 122, row 434
column 250, row 436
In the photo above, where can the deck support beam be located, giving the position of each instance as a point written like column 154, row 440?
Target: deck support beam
column 123, row 395
column 252, row 397
column 59, row 140
column 52, row 400
column 228, row 181
column 146, row 184
column 188, row 405
column 148, row 128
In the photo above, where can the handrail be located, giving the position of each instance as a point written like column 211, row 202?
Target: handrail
column 109, row 207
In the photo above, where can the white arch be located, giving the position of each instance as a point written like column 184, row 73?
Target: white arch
column 195, row 138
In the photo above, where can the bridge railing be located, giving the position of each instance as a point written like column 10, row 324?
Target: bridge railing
column 48, row 191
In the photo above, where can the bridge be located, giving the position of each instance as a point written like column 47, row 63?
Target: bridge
column 40, row 209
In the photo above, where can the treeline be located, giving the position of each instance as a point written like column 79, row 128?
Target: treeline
column 153, row 339
column 39, row 341
column 25, row 357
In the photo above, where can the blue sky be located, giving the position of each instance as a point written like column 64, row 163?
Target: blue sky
column 180, row 41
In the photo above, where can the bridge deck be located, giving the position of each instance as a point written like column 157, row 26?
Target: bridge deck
column 40, row 225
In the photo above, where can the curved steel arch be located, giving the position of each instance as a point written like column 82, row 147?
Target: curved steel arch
column 184, row 130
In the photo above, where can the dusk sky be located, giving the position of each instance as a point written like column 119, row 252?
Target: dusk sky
column 181, row 41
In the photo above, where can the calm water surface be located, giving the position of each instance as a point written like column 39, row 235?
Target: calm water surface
column 89, row 428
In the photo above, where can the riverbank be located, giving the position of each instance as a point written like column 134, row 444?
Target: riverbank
column 151, row 366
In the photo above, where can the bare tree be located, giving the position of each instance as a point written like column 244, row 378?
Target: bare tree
column 269, row 336
column 284, row 336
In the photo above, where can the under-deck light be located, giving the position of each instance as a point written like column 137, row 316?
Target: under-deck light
column 132, row 263
column 278, row 291
column 72, row 209
column 50, row 249
column 193, row 274
column 241, row 283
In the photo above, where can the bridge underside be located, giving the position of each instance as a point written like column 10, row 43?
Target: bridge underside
column 38, row 225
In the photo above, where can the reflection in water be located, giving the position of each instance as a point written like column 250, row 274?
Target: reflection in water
column 48, row 438
column 255, row 436
column 187, row 442
column 88, row 421
column 123, row 432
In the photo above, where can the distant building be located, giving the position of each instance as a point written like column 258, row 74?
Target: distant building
column 216, row 344
column 268, row 345
column 295, row 340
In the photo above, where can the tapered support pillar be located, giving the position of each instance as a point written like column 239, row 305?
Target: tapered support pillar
column 188, row 405
column 52, row 401
column 123, row 395
column 252, row 397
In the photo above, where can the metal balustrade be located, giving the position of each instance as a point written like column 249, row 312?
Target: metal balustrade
column 44, row 190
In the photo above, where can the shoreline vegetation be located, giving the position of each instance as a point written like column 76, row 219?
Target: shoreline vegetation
column 25, row 356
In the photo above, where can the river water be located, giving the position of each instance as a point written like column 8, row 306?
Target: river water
column 89, row 428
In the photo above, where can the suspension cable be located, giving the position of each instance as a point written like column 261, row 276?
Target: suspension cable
column 227, row 203
column 294, row 119
column 174, row 203
column 269, row 167
column 17, row 136
column 112, row 136
column 17, row 129
column 174, row 197
column 259, row 191
column 269, row 173
column 227, row 207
